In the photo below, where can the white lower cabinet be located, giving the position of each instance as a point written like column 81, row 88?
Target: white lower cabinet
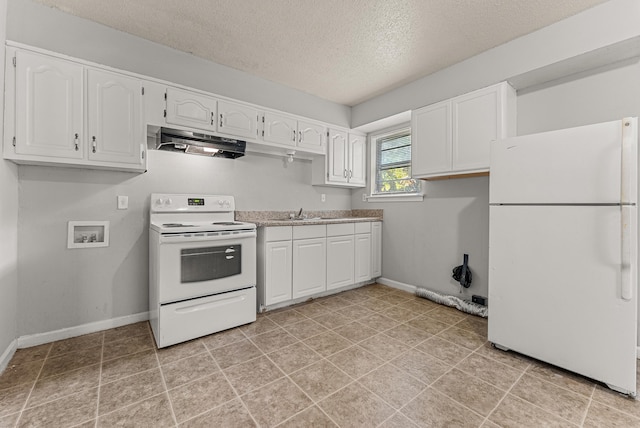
column 309, row 266
column 295, row 262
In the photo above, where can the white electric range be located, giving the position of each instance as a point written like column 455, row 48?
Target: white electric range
column 202, row 267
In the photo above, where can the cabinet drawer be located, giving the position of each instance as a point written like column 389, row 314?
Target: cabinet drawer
column 364, row 227
column 340, row 229
column 278, row 233
column 312, row 231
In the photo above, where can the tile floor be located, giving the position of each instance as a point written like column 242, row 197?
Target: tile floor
column 368, row 357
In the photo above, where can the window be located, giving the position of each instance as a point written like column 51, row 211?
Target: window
column 391, row 158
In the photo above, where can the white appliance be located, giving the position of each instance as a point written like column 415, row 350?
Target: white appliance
column 202, row 267
column 563, row 247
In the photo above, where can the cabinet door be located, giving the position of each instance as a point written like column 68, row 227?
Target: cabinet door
column 337, row 157
column 431, row 139
column 376, row 249
column 277, row 272
column 49, row 105
column 309, row 266
column 311, row 136
column 191, row 110
column 115, row 130
column 340, row 253
column 237, row 120
column 357, row 159
column 363, row 257
column 279, row 129
column 475, row 125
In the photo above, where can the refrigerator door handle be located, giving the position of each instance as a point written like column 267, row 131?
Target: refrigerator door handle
column 629, row 160
column 626, row 267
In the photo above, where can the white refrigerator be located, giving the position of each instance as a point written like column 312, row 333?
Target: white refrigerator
column 563, row 249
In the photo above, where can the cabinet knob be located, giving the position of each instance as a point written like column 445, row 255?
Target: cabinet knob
column 220, row 120
column 76, row 142
column 93, row 144
column 294, row 136
column 299, row 136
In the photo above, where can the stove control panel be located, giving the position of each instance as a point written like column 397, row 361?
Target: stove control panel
column 191, row 203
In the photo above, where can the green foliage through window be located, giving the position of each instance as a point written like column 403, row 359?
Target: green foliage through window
column 393, row 164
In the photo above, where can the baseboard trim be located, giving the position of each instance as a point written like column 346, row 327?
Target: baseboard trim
column 396, row 284
column 65, row 333
column 8, row 354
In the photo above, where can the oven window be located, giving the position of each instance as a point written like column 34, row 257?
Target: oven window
column 210, row 263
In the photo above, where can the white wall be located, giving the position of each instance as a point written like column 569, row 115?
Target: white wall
column 8, row 229
column 62, row 288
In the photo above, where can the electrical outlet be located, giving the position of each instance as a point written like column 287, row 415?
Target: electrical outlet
column 323, row 197
column 123, row 202
column 364, row 197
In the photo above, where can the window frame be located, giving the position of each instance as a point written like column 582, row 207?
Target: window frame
column 391, row 197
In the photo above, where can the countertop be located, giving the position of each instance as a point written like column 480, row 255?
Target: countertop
column 281, row 218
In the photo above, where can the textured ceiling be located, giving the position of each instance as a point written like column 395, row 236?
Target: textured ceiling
column 346, row 51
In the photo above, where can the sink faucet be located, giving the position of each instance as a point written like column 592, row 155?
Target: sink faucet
column 298, row 216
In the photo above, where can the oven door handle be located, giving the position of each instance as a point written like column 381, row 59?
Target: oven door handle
column 170, row 238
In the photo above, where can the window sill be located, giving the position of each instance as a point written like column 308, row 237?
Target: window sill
column 413, row 197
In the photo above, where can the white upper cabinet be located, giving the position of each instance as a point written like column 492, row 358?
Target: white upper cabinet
column 48, row 106
column 337, row 156
column 46, row 112
column 279, row 129
column 311, row 136
column 191, row 110
column 345, row 163
column 115, row 129
column 357, row 159
column 454, row 137
column 238, row 120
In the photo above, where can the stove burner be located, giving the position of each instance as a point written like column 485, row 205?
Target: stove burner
column 176, row 225
column 226, row 223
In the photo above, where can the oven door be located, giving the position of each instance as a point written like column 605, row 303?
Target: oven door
column 201, row 264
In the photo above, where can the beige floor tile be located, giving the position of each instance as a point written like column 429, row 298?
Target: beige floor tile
column 355, row 361
column 261, row 325
column 34, row 353
column 197, row 397
column 396, row 298
column 354, row 296
column 354, row 406
column 566, row 404
column 327, row 343
column 444, row 350
column 320, row 379
column 223, row 338
column 311, row 417
column 128, row 365
column 617, row 401
column 433, row 409
column 13, row 399
column 509, row 358
column 355, row 312
column 419, row 306
column 332, row 320
column 273, row 340
column 393, row 385
column 54, row 387
column 379, row 322
column 132, row 345
column 286, row 317
column 126, row 391
column 74, row 344
column 600, row 415
column 464, row 338
column 67, row 411
column 497, row 374
column 423, row 367
column 9, row 421
column 469, row 391
column 399, row 313
column 127, row 331
column 563, row 378
column 375, row 304
column 294, row 357
column 489, row 424
column 398, row 420
column 235, row 353
column 447, row 315
column 153, row 412
column 188, row 369
column 276, row 402
column 71, row 361
column 305, row 329
column 16, row 374
column 513, row 412
column 476, row 324
column 335, row 302
column 384, row 346
column 428, row 324
column 252, row 374
column 181, row 350
column 233, row 415
column 408, row 335
column 312, row 310
column 355, row 332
